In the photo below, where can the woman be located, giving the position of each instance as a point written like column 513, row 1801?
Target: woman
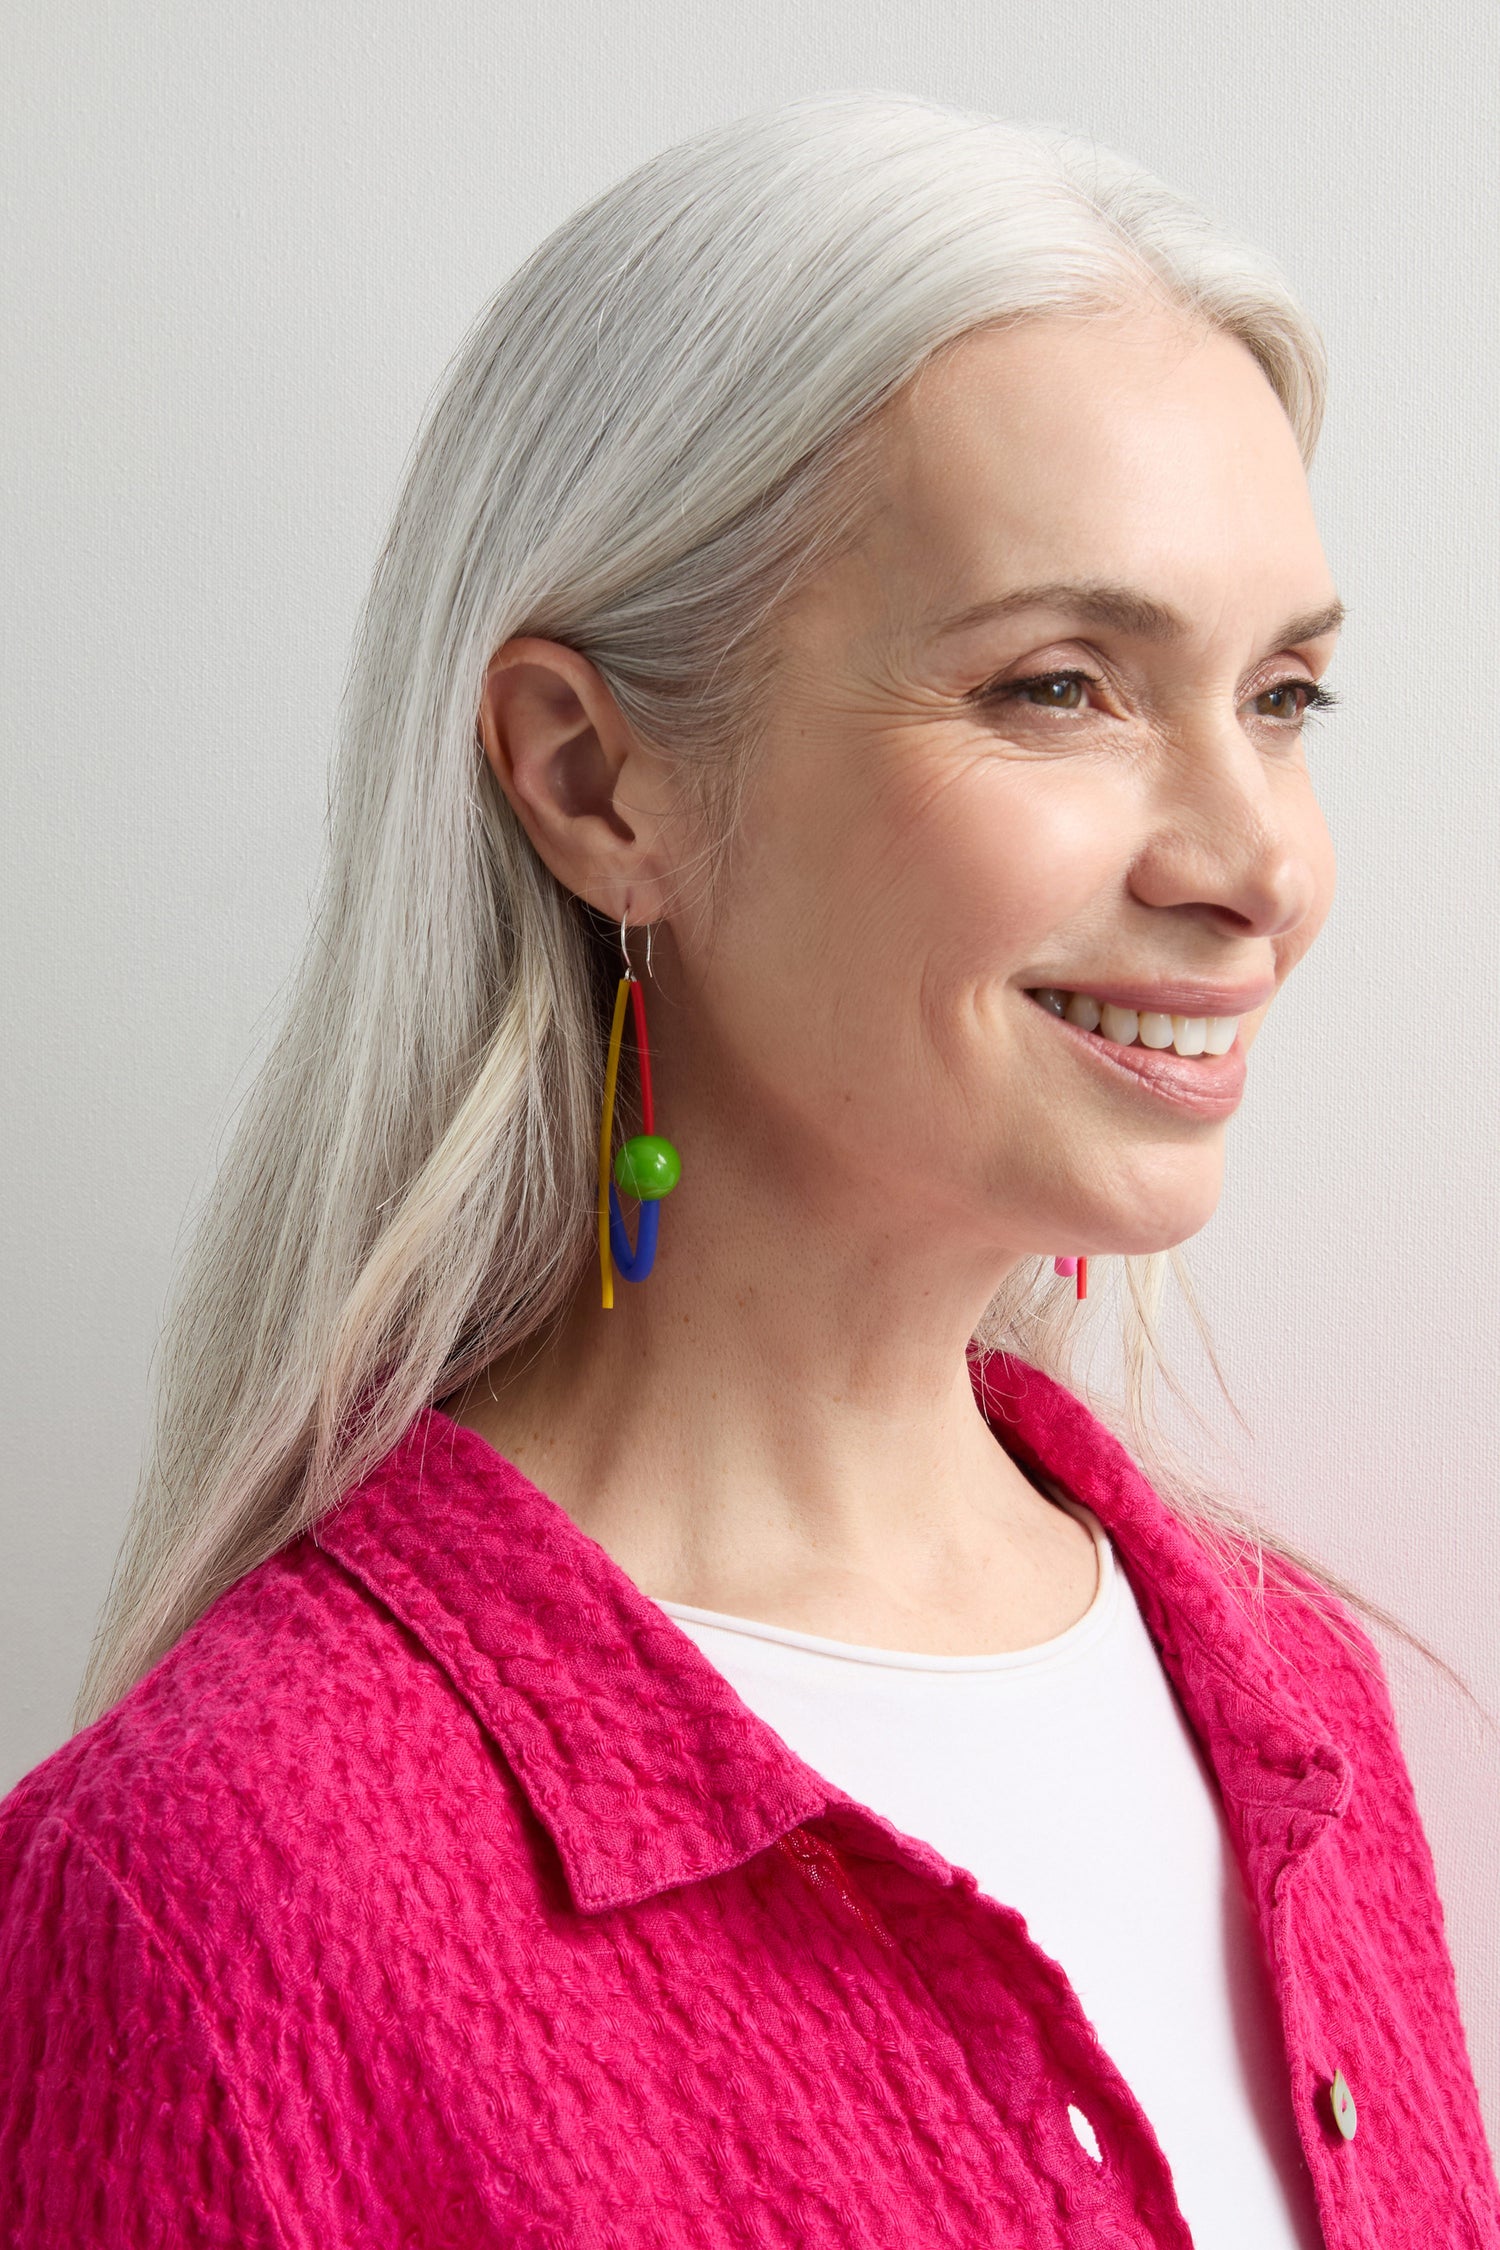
column 741, row 1754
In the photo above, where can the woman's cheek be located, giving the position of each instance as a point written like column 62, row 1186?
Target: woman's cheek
column 1028, row 855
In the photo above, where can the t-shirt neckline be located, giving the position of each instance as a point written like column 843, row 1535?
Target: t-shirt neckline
column 1081, row 1634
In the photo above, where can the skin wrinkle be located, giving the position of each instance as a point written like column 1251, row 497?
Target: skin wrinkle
column 875, row 1119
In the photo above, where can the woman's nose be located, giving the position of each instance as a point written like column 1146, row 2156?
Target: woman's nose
column 1231, row 838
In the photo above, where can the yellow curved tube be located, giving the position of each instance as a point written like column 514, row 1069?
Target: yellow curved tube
column 606, row 1133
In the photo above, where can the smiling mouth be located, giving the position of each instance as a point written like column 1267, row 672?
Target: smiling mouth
column 1188, row 1036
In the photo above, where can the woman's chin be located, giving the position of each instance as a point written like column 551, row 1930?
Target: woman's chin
column 1144, row 1214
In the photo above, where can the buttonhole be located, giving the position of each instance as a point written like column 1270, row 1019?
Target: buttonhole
column 1084, row 2132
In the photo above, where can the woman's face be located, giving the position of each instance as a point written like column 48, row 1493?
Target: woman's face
column 1032, row 807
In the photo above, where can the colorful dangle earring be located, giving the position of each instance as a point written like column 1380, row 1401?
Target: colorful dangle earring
column 647, row 1166
column 1075, row 1270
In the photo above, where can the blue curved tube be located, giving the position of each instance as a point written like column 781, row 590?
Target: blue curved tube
column 634, row 1264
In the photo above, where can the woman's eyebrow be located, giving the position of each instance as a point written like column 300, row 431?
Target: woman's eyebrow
column 1125, row 609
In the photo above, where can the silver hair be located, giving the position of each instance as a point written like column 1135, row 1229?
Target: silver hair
column 642, row 449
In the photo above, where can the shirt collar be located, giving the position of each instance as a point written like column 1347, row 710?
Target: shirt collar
column 1222, row 1642
column 637, row 1756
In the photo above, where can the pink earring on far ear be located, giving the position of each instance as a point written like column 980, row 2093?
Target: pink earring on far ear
column 1075, row 1270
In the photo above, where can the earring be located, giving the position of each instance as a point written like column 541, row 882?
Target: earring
column 647, row 1166
column 1075, row 1270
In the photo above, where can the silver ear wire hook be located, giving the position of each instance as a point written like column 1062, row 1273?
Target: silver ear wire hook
column 625, row 949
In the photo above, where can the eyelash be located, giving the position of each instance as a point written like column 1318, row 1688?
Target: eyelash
column 1319, row 698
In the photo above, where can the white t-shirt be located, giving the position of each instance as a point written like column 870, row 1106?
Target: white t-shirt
column 1067, row 1781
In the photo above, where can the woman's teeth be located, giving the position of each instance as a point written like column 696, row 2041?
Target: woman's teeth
column 1127, row 1027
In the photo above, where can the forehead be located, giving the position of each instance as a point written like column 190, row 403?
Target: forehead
column 1125, row 445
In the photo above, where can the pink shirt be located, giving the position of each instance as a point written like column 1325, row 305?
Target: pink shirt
column 436, row 1891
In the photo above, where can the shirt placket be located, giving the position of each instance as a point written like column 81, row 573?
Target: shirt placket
column 1065, row 2115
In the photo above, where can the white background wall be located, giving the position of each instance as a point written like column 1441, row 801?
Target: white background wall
column 242, row 244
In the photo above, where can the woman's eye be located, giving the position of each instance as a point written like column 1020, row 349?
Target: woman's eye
column 1285, row 702
column 1292, row 700
column 1045, row 691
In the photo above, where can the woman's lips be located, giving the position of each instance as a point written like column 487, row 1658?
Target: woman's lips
column 1207, row 1086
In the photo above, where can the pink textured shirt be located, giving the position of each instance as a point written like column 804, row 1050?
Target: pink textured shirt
column 436, row 1891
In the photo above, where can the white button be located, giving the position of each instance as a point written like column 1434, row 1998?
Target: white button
column 1345, row 2115
column 1087, row 2137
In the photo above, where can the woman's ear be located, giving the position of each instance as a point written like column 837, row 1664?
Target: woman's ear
column 592, row 799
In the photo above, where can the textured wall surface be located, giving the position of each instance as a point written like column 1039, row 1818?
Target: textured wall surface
column 242, row 245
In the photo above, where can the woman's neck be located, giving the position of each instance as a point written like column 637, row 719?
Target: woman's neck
column 745, row 1447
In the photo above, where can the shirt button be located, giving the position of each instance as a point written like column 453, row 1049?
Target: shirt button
column 1341, row 2102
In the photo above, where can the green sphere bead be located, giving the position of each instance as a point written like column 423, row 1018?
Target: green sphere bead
column 648, row 1166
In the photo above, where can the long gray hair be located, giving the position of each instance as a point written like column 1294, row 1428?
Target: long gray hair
column 645, row 445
